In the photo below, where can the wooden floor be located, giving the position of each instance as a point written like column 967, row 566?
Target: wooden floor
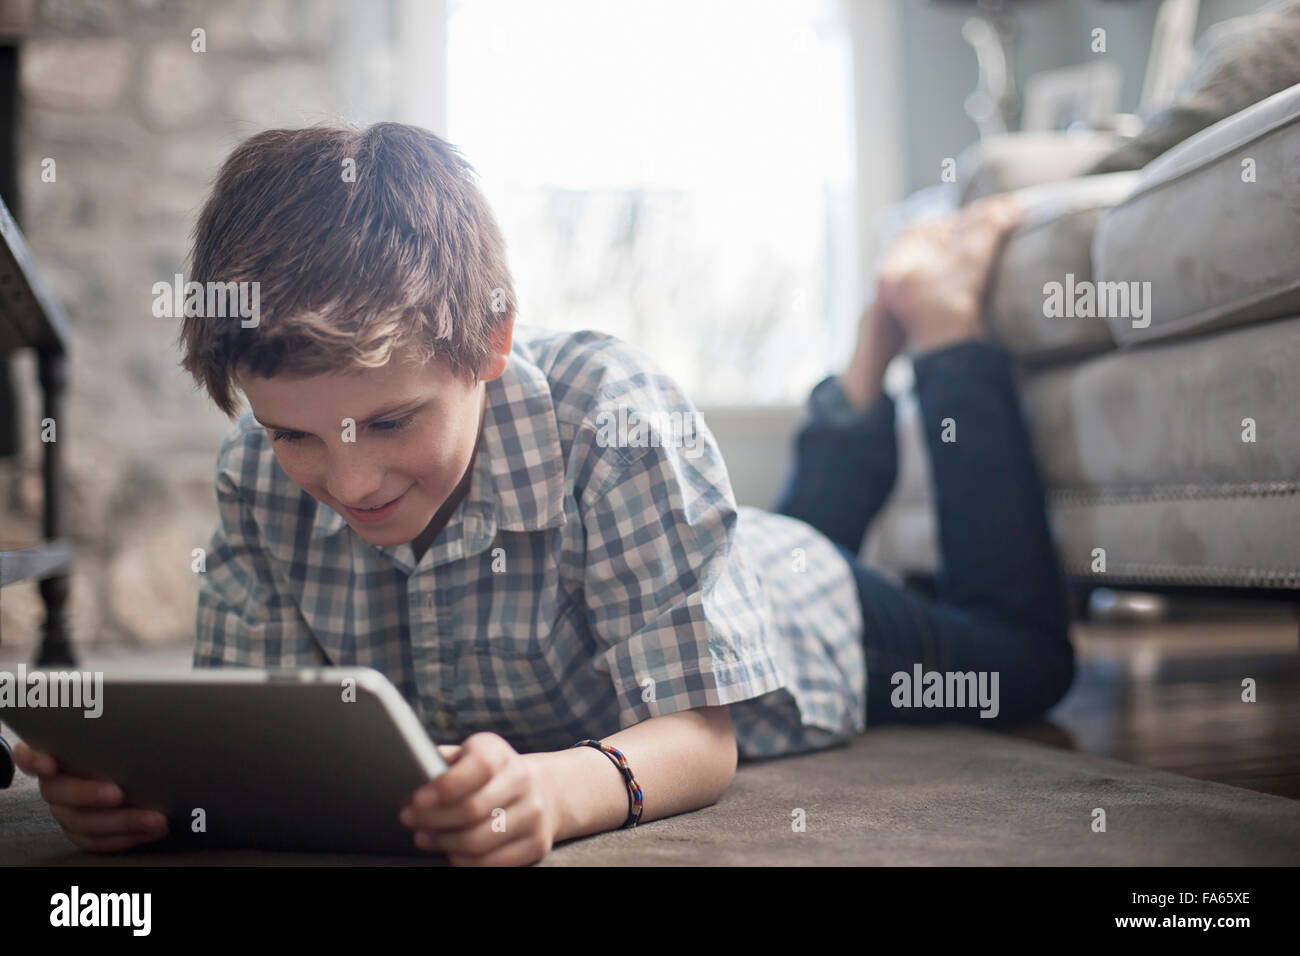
column 1168, row 694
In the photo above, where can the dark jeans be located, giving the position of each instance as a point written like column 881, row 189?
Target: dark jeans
column 1001, row 600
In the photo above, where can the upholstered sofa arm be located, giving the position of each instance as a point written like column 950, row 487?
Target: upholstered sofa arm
column 1020, row 160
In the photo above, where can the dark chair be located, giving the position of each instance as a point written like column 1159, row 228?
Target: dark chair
column 30, row 318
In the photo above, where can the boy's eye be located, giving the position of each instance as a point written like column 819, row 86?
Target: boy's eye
column 389, row 426
column 394, row 425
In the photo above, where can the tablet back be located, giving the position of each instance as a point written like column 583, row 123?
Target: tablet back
column 314, row 759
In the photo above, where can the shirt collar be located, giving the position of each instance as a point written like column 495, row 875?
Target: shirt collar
column 519, row 479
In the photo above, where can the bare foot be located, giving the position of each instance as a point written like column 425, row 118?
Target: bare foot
column 932, row 279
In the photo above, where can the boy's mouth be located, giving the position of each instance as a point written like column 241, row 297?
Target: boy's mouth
column 377, row 514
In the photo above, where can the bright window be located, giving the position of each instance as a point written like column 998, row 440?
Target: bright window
column 676, row 173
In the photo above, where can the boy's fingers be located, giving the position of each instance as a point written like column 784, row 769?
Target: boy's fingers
column 102, row 823
column 472, row 769
column 34, row 763
column 23, row 758
column 79, row 792
column 109, row 823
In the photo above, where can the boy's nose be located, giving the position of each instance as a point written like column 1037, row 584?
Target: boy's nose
column 355, row 482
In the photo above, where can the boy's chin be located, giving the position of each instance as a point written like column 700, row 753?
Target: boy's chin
column 399, row 529
column 386, row 536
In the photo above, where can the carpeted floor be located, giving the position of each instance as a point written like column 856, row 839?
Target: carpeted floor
column 898, row 796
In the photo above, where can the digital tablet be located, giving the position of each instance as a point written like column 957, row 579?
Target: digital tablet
column 312, row 759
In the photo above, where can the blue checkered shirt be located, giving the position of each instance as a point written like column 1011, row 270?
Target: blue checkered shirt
column 592, row 577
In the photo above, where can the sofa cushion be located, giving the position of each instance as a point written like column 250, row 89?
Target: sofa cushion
column 1213, row 226
column 1052, row 240
column 1239, row 62
column 1172, row 414
column 1142, row 454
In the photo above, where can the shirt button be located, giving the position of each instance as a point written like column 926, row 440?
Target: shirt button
column 428, row 600
column 442, row 718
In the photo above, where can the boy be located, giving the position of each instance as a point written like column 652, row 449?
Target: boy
column 424, row 487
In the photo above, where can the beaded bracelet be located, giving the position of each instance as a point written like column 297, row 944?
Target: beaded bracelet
column 635, row 799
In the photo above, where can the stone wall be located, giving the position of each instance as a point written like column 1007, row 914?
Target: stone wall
column 137, row 123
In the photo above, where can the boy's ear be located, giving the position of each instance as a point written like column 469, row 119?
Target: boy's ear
column 496, row 362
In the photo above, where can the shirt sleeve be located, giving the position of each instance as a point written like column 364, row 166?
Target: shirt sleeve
column 243, row 618
column 680, row 617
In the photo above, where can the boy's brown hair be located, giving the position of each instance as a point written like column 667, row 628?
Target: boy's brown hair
column 351, row 272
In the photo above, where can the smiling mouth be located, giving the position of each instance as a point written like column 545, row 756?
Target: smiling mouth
column 376, row 513
column 378, row 507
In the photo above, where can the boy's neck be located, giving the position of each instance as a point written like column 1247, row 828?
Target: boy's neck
column 424, row 540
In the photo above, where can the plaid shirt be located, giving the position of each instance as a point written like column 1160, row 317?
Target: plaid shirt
column 583, row 585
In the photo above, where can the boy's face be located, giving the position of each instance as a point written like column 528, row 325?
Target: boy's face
column 411, row 444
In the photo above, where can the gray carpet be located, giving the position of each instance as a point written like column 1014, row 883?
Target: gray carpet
column 898, row 796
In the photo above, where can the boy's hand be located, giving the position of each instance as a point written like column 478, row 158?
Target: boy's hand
column 90, row 812
column 491, row 808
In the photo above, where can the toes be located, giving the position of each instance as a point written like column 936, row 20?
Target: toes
column 1008, row 210
column 941, row 229
column 998, row 212
column 937, row 230
column 984, row 225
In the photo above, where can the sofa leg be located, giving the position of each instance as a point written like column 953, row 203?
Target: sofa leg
column 1116, row 607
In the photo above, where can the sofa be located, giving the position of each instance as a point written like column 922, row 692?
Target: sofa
column 1167, row 428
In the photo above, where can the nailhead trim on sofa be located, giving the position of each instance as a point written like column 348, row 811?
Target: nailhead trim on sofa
column 1180, row 574
column 1081, row 497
